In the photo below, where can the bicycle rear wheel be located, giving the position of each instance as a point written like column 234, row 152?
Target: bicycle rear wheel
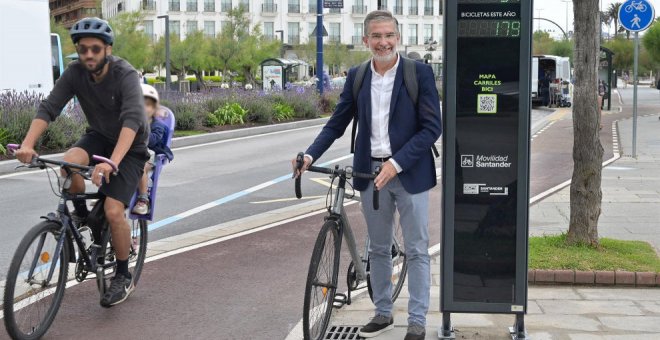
column 136, row 255
column 321, row 282
column 399, row 263
column 31, row 300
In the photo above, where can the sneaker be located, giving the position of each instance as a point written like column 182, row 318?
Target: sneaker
column 141, row 207
column 120, row 288
column 377, row 326
column 415, row 332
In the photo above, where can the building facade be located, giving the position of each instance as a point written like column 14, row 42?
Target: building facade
column 420, row 21
column 67, row 12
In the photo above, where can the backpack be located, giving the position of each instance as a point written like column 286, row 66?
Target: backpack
column 409, row 80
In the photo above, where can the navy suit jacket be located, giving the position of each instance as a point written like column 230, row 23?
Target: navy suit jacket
column 412, row 131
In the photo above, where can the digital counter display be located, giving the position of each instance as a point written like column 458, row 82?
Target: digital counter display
column 489, row 28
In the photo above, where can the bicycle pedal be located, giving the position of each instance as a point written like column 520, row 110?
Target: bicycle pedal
column 340, row 300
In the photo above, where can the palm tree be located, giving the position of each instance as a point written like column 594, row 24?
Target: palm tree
column 612, row 14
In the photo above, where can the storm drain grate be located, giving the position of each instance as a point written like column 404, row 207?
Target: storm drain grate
column 342, row 333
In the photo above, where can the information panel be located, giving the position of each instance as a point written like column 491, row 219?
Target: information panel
column 486, row 156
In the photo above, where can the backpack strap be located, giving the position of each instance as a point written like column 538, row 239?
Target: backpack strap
column 412, row 86
column 357, row 84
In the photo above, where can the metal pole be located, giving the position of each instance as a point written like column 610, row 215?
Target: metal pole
column 168, row 74
column 319, row 45
column 634, row 142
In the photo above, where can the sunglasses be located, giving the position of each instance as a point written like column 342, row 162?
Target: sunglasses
column 82, row 49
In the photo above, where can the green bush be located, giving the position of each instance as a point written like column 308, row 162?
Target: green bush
column 186, row 119
column 260, row 111
column 283, row 111
column 4, row 140
column 231, row 113
column 62, row 133
column 211, row 120
column 215, row 79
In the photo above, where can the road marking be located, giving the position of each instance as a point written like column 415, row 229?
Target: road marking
column 231, row 197
column 278, row 200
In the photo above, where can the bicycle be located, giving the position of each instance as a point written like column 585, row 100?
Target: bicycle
column 640, row 6
column 39, row 269
column 323, row 272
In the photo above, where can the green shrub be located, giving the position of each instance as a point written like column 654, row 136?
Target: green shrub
column 283, row 111
column 231, row 113
column 215, row 79
column 186, row 119
column 211, row 120
column 260, row 111
column 62, row 133
column 4, row 140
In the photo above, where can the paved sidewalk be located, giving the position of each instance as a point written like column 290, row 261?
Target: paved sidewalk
column 630, row 210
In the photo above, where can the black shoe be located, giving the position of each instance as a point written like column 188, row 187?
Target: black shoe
column 120, row 288
column 415, row 332
column 377, row 326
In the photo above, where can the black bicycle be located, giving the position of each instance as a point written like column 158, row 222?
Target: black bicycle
column 40, row 267
column 321, row 287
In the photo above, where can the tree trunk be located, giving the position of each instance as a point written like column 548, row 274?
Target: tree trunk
column 200, row 79
column 586, row 193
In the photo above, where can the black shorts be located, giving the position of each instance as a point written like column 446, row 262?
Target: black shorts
column 125, row 183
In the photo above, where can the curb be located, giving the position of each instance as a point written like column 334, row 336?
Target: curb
column 9, row 166
column 593, row 278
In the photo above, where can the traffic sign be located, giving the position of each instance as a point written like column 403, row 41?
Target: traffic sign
column 333, row 3
column 636, row 15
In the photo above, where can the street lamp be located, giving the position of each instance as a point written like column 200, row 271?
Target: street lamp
column 567, row 2
column 168, row 77
column 281, row 32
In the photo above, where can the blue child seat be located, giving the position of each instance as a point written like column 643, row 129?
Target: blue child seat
column 167, row 117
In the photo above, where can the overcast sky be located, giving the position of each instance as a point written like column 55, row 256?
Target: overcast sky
column 555, row 10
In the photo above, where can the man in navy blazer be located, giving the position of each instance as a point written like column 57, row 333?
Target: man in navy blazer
column 398, row 136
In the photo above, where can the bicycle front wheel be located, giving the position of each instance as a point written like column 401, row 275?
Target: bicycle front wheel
column 321, row 282
column 35, row 282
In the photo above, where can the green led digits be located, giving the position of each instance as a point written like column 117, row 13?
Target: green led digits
column 489, row 28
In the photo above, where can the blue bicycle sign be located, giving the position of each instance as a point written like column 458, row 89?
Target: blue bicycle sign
column 636, row 16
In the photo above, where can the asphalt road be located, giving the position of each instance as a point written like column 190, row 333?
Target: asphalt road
column 247, row 287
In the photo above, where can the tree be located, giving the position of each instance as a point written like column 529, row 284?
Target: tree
column 229, row 43
column 586, row 194
column 191, row 55
column 612, row 14
column 541, row 42
column 623, row 53
column 131, row 43
column 255, row 48
column 67, row 44
column 651, row 42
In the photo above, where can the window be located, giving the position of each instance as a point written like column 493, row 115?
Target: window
column 382, row 5
column 209, row 29
column 428, row 7
column 335, row 32
column 335, row 10
column 191, row 6
column 428, row 33
column 175, row 28
column 269, row 30
column 149, row 29
column 412, row 34
column 294, row 33
column 413, row 9
column 209, row 5
column 191, row 26
column 440, row 8
column 398, row 7
column 269, row 7
column 120, row 7
column 226, row 5
column 312, row 7
column 149, row 5
column 358, row 33
column 245, row 4
column 294, row 6
column 174, row 6
column 359, row 7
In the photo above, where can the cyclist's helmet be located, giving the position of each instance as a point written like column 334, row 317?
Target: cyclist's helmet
column 150, row 92
column 92, row 27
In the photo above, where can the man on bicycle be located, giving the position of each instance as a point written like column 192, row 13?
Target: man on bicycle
column 398, row 136
column 108, row 89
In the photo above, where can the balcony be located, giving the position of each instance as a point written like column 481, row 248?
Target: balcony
column 335, row 11
column 428, row 10
column 209, row 7
column 312, row 9
column 359, row 10
column 294, row 8
column 413, row 10
column 269, row 8
column 293, row 39
column 412, row 40
column 191, row 6
column 398, row 10
column 148, row 5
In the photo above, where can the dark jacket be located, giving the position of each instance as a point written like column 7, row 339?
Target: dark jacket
column 412, row 131
column 158, row 139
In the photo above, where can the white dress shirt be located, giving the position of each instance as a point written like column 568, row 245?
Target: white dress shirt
column 381, row 98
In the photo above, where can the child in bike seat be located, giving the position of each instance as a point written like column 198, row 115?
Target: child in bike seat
column 157, row 145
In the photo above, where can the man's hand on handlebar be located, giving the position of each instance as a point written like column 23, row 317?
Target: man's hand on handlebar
column 25, row 154
column 102, row 171
column 297, row 169
column 387, row 172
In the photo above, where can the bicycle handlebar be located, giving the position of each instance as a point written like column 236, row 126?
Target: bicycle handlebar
column 346, row 172
column 38, row 162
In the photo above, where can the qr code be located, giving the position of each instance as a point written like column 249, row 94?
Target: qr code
column 487, row 103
